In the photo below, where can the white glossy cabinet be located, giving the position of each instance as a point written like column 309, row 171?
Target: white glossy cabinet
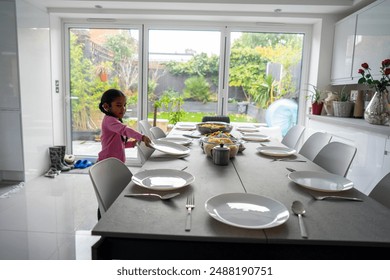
column 343, row 50
column 11, row 153
column 372, row 38
column 11, row 147
column 372, row 160
column 361, row 37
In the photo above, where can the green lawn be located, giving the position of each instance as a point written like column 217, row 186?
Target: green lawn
column 197, row 117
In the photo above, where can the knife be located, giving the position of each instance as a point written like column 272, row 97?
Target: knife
column 290, row 169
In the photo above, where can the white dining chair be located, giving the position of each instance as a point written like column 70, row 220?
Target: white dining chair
column 336, row 157
column 219, row 118
column 157, row 132
column 144, row 127
column 314, row 144
column 381, row 191
column 109, row 177
column 292, row 136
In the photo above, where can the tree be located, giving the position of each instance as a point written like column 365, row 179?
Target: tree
column 125, row 50
column 246, row 70
column 85, row 87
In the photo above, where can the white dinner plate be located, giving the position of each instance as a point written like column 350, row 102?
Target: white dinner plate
column 163, row 179
column 178, row 140
column 247, row 210
column 185, row 126
column 247, row 129
column 170, row 147
column 255, row 137
column 276, row 151
column 321, row 181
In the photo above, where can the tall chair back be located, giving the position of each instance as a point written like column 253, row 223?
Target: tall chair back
column 225, row 119
column 381, row 192
column 336, row 157
column 144, row 127
column 157, row 132
column 109, row 177
column 314, row 144
column 292, row 136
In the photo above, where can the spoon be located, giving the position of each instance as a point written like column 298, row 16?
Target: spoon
column 297, row 208
column 163, row 197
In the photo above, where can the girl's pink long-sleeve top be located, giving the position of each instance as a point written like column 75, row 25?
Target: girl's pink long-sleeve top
column 111, row 140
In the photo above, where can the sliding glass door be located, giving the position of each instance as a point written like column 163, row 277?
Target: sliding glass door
column 181, row 74
column 100, row 59
column 264, row 77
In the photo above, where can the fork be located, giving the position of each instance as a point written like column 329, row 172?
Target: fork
column 290, row 160
column 189, row 205
column 335, row 197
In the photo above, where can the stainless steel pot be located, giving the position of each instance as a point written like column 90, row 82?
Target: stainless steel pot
column 220, row 155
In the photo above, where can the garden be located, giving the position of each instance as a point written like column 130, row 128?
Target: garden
column 182, row 90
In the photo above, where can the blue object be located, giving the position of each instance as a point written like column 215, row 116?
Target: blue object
column 82, row 163
column 282, row 113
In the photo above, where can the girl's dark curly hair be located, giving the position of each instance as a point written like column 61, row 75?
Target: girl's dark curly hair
column 108, row 97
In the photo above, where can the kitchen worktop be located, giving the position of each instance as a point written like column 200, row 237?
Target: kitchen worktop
column 360, row 124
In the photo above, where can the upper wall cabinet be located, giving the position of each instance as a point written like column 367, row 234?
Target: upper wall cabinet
column 343, row 48
column 361, row 37
column 9, row 79
column 372, row 38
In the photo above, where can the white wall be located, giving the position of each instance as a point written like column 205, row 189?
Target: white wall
column 35, row 87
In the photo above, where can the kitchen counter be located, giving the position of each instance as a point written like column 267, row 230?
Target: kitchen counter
column 360, row 124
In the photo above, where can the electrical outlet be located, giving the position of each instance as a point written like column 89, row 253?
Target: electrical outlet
column 57, row 84
column 354, row 94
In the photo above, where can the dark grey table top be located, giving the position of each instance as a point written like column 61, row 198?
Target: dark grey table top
column 327, row 222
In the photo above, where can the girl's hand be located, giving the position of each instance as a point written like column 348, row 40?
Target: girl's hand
column 146, row 140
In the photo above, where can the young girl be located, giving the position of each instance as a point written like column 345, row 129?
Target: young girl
column 115, row 135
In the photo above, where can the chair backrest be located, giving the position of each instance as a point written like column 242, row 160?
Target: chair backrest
column 381, row 191
column 109, row 177
column 314, row 144
column 157, row 132
column 144, row 127
column 292, row 136
column 225, row 119
column 336, row 157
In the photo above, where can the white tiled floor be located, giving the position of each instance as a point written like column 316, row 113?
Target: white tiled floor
column 49, row 219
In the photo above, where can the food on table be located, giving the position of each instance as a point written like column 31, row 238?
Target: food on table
column 210, row 127
column 220, row 138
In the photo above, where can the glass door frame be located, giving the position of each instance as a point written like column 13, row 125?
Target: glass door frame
column 66, row 51
column 224, row 29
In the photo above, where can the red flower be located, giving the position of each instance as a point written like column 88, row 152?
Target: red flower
column 386, row 62
column 379, row 84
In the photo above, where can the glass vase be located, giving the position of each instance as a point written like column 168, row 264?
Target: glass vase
column 377, row 111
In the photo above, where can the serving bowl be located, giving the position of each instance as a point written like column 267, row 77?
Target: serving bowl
column 210, row 127
column 208, row 143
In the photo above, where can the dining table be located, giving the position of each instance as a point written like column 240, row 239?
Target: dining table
column 151, row 228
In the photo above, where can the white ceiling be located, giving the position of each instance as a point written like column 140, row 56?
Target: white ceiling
column 205, row 10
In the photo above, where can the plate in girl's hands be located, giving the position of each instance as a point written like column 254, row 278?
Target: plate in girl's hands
column 178, row 140
column 170, row 147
